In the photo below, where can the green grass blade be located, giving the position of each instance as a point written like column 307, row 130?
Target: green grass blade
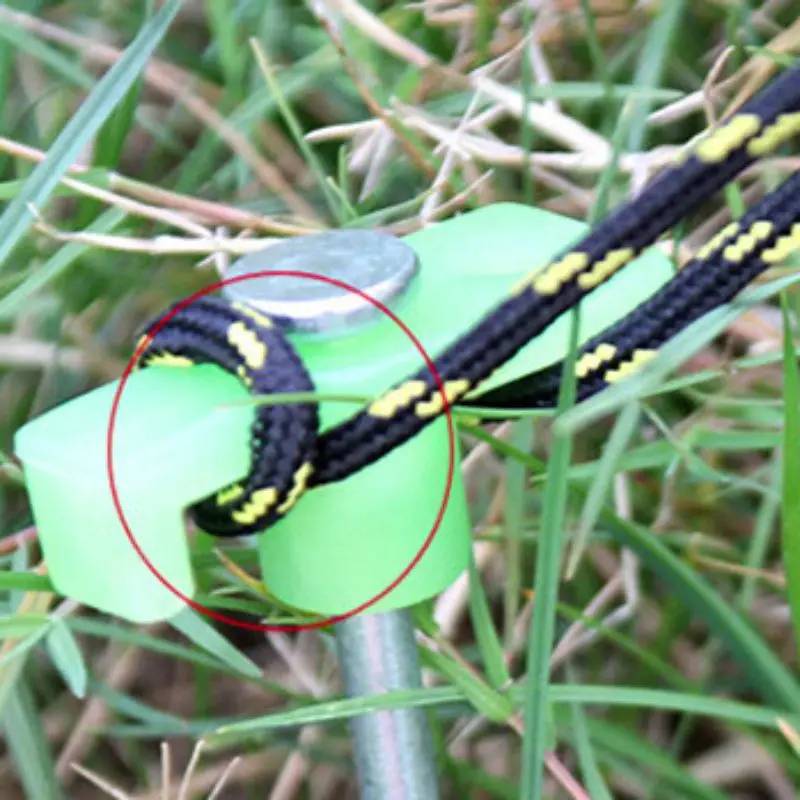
column 485, row 631
column 338, row 710
column 546, row 581
column 522, row 437
column 505, row 448
column 205, row 636
column 647, row 659
column 338, row 210
column 790, row 506
column 232, row 55
column 131, row 707
column 650, row 65
column 624, row 428
column 18, row 625
column 587, row 758
column 493, row 705
column 131, row 636
column 598, row 57
column 761, row 538
column 78, row 132
column 24, row 581
column 110, row 145
column 732, row 711
column 67, row 657
column 28, row 746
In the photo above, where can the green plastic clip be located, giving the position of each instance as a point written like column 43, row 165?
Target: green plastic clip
column 183, row 433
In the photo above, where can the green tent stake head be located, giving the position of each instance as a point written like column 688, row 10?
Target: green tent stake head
column 183, row 433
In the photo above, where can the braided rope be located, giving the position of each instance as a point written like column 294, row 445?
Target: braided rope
column 288, row 452
column 705, row 283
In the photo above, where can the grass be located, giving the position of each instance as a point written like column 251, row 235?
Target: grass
column 629, row 624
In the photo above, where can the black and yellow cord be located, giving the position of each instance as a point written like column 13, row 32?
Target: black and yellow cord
column 289, row 454
column 765, row 237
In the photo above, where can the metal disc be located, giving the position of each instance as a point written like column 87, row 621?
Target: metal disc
column 378, row 264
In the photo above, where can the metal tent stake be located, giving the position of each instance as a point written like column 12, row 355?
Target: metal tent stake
column 394, row 754
column 393, row 749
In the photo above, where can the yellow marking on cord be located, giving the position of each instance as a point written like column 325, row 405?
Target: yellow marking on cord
column 557, row 274
column 241, row 372
column 390, row 403
column 590, row 362
column 554, row 275
column 262, row 319
column 300, row 482
column 637, row 361
column 250, row 347
column 762, row 229
column 452, row 390
column 257, row 506
column 602, row 270
column 746, row 242
column 233, row 492
column 717, row 240
column 784, row 246
column 719, row 144
column 169, row 360
column 773, row 136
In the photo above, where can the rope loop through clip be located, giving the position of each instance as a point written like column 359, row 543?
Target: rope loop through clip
column 246, row 344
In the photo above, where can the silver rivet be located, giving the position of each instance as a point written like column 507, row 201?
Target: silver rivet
column 378, row 264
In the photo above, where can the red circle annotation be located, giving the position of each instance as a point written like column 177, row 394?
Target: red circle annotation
column 112, row 426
